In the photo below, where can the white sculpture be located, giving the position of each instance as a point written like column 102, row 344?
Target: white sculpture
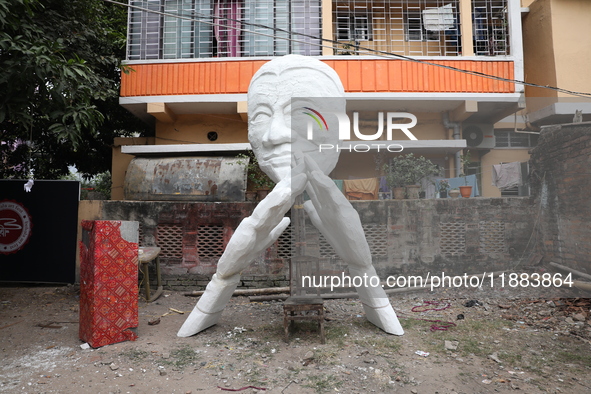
column 279, row 89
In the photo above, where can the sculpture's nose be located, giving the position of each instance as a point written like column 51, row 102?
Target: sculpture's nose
column 279, row 131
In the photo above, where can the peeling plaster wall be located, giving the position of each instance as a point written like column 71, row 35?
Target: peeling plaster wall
column 561, row 184
column 405, row 236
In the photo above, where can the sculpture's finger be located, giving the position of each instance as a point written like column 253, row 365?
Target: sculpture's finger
column 275, row 205
column 298, row 184
column 310, row 209
column 311, row 164
column 319, row 178
column 277, row 231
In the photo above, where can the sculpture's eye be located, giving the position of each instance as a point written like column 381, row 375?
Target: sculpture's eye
column 260, row 117
column 287, row 110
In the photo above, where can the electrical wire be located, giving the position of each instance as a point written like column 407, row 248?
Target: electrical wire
column 378, row 53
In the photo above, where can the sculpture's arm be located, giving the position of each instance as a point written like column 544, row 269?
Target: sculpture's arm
column 258, row 231
column 254, row 234
column 339, row 222
column 333, row 215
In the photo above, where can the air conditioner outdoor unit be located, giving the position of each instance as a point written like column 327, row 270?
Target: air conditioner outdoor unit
column 479, row 135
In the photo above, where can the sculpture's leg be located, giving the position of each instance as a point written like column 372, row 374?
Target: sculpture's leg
column 334, row 216
column 210, row 306
column 376, row 303
column 240, row 252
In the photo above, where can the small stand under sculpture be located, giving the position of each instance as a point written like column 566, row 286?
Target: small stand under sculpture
column 296, row 163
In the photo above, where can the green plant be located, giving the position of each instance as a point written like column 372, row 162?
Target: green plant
column 348, row 49
column 465, row 162
column 443, row 185
column 394, row 176
column 100, row 183
column 408, row 169
column 256, row 177
column 323, row 383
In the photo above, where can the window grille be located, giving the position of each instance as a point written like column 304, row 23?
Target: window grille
column 144, row 35
column 490, row 27
column 326, row 250
column 414, row 28
column 377, row 239
column 511, row 139
column 210, row 242
column 453, row 238
column 355, row 27
column 285, row 244
column 408, row 27
column 156, row 36
column 492, row 237
column 169, row 237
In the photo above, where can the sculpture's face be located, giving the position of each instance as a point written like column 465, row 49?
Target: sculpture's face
column 272, row 115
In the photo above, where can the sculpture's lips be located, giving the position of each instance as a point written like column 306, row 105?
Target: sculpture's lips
column 278, row 155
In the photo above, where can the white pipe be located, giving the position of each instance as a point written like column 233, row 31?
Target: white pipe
column 456, row 135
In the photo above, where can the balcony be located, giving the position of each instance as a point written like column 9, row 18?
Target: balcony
column 185, row 29
column 185, row 52
column 197, row 29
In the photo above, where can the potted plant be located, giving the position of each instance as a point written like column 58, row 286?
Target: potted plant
column 443, row 187
column 258, row 183
column 420, row 169
column 395, row 179
column 466, row 190
column 454, row 193
column 406, row 171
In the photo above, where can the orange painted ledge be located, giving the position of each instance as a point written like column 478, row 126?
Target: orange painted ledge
column 358, row 75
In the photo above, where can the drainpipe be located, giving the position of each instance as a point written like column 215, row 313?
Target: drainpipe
column 456, row 134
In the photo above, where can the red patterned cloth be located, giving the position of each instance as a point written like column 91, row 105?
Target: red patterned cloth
column 108, row 284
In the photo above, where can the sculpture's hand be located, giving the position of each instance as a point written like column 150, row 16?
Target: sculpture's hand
column 254, row 234
column 333, row 215
column 258, row 231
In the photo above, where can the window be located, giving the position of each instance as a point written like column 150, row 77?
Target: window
column 490, row 27
column 406, row 27
column 414, row 28
column 222, row 28
column 355, row 27
column 512, row 139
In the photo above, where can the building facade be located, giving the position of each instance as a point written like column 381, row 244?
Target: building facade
column 554, row 56
column 451, row 63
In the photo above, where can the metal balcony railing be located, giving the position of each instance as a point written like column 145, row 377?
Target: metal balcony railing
column 186, row 29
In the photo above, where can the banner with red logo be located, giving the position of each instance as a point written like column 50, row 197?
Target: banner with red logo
column 38, row 231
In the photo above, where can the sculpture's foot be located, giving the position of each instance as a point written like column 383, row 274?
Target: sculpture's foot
column 197, row 322
column 376, row 303
column 384, row 318
column 208, row 310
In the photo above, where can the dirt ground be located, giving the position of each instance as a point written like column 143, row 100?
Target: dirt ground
column 500, row 345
